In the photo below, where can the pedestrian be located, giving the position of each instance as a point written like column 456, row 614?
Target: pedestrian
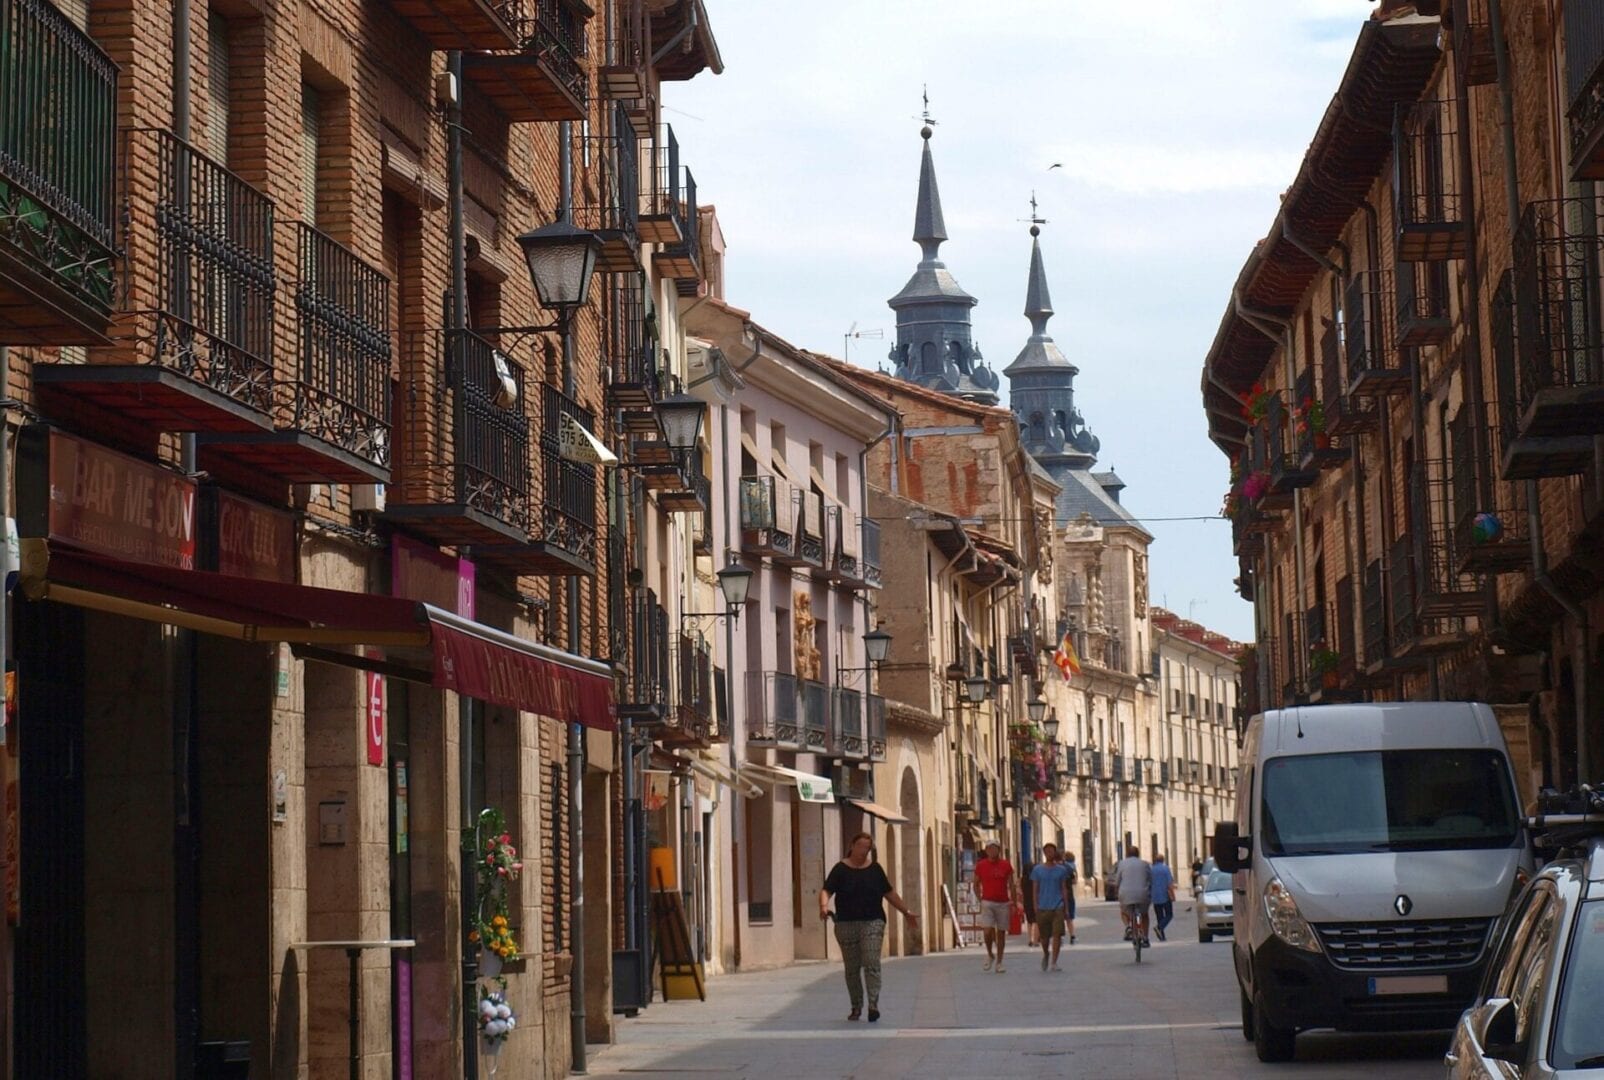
column 1027, row 900
column 1197, row 875
column 858, row 884
column 1069, row 914
column 995, row 877
column 1051, row 881
column 1133, row 884
column 1163, row 896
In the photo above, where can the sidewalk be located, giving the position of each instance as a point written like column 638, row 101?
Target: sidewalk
column 1176, row 1015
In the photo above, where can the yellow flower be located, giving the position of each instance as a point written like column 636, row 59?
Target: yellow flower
column 498, row 921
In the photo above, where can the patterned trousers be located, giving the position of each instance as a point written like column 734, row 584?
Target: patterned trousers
column 861, row 943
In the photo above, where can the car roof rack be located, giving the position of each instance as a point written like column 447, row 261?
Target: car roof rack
column 1566, row 819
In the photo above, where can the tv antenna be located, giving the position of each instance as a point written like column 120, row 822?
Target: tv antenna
column 854, row 334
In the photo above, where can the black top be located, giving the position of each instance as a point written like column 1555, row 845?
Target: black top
column 858, row 893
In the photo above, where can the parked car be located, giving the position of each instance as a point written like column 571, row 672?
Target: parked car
column 1214, row 906
column 1203, row 875
column 1374, row 847
column 1537, row 1012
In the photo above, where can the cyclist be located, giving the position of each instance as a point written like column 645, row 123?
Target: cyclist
column 1133, row 882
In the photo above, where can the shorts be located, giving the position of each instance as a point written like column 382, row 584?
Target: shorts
column 1050, row 921
column 996, row 914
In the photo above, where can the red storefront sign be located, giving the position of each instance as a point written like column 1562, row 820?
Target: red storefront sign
column 74, row 492
column 420, row 572
column 253, row 540
column 478, row 667
column 374, row 684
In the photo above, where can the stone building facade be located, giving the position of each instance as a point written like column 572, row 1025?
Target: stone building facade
column 1406, row 382
column 317, row 564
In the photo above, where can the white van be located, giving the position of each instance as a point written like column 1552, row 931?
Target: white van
column 1373, row 849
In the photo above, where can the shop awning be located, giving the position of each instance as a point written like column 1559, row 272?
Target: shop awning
column 720, row 773
column 811, row 788
column 874, row 809
column 468, row 657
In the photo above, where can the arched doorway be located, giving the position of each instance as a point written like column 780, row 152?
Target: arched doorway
column 912, row 863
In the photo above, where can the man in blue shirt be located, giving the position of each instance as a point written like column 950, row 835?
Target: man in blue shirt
column 1163, row 895
column 1050, row 880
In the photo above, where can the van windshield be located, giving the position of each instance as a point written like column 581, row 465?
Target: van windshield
column 1387, row 800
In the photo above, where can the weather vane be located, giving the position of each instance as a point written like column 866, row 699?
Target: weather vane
column 1035, row 218
column 926, row 96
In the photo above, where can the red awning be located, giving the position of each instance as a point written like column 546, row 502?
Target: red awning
column 468, row 657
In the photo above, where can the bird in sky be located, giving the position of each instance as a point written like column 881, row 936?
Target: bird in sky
column 1055, row 165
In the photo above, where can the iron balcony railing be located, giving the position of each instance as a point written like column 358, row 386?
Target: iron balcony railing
column 210, row 316
column 342, row 308
column 815, row 714
column 1491, row 532
column 1424, row 315
column 645, row 690
column 555, row 32
column 872, row 574
column 58, row 149
column 843, row 543
column 876, row 706
column 662, row 207
column 1559, row 334
column 567, row 518
column 1426, row 187
column 1344, row 414
column 1370, row 342
column 768, row 516
column 623, row 70
column 1584, row 84
column 612, row 206
column 1474, row 61
column 773, row 714
column 849, row 736
column 1097, row 759
column 810, row 535
column 629, row 340
column 693, row 705
column 489, row 447
column 1401, row 575
column 1373, row 612
column 1344, row 636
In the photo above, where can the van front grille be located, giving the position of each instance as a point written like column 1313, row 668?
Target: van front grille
column 1367, row 946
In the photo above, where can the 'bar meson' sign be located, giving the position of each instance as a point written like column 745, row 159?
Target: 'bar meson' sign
column 76, row 493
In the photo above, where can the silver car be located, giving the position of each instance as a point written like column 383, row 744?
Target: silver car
column 1214, row 906
column 1537, row 1014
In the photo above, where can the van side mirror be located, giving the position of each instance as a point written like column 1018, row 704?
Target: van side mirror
column 1232, row 851
column 1498, row 1040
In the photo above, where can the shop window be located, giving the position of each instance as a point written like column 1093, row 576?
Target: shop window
column 760, row 859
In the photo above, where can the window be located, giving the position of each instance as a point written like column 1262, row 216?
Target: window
column 218, row 84
column 1577, row 1036
column 310, row 127
column 760, row 859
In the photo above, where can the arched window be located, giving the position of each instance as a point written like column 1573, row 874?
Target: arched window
column 929, row 359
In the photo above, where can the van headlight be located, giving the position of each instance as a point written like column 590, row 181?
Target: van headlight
column 1285, row 921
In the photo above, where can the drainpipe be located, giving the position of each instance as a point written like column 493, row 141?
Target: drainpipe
column 1534, row 512
column 737, row 803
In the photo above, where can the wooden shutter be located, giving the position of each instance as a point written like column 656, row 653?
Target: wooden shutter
column 217, row 89
column 309, row 143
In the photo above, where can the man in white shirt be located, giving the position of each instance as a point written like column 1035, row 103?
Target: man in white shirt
column 1133, row 881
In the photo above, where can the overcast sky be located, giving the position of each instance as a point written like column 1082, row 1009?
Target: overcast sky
column 1178, row 123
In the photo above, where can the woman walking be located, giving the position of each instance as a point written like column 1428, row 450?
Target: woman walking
column 859, row 885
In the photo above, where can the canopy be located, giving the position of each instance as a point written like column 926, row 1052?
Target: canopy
column 874, row 809
column 811, row 788
column 469, row 657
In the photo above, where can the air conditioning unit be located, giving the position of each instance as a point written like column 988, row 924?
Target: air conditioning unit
column 367, row 498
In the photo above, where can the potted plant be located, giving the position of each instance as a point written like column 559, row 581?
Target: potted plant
column 1257, row 406
column 497, row 864
column 497, row 1021
column 1312, row 424
column 1323, row 662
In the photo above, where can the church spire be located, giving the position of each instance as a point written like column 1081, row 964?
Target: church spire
column 1038, row 304
column 929, row 229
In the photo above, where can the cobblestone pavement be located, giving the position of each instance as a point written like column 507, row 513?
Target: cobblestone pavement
column 1103, row 1017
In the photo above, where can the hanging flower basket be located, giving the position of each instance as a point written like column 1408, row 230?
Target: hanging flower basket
column 497, row 863
column 1258, row 403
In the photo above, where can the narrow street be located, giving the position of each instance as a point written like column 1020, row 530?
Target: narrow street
column 1174, row 1016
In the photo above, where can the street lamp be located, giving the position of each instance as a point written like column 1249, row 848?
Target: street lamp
column 734, row 581
column 561, row 258
column 1052, row 729
column 975, row 688
column 680, row 416
column 1037, row 708
column 877, row 645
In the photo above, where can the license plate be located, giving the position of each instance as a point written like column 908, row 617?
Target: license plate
column 1409, row 984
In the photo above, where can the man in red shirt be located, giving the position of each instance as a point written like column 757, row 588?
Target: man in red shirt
column 994, row 877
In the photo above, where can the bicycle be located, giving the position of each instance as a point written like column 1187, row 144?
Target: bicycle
column 1138, row 917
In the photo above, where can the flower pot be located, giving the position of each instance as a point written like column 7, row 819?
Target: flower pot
column 489, row 964
column 1322, row 441
column 1329, row 680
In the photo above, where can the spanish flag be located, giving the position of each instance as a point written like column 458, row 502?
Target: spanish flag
column 1064, row 657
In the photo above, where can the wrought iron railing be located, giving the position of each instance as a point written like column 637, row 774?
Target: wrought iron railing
column 693, row 688
column 628, row 39
column 1344, row 635
column 1373, row 612
column 1584, row 78
column 772, row 713
column 1401, row 575
column 555, row 32
column 630, row 343
column 848, row 736
column 58, row 148
column 567, row 516
column 1491, row 532
column 615, row 204
column 1425, row 181
column 876, row 706
column 488, row 454
column 815, row 714
column 844, row 542
column 1559, row 339
column 342, row 308
column 768, row 514
column 1424, row 315
column 1473, row 42
column 810, row 527
column 662, row 199
column 872, row 573
column 211, row 315
column 1369, row 337
column 646, row 686
column 692, row 244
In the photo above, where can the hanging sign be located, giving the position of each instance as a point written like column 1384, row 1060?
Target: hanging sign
column 375, row 716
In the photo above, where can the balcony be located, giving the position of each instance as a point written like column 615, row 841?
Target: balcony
column 1373, row 612
column 843, row 546
column 662, row 212
column 1095, row 763
column 562, row 530
column 610, row 196
column 1584, row 86
column 815, row 715
column 872, row 573
column 1317, row 447
column 629, row 347
column 58, row 150
column 1441, row 587
column 773, row 716
column 1164, row 778
column 643, row 694
column 1344, row 414
column 1427, row 205
column 693, row 493
column 622, row 75
column 849, row 735
column 690, row 721
column 458, row 24
column 1287, row 473
column 1473, row 43
column 1248, row 527
column 1559, row 332
column 769, row 519
column 464, row 476
column 1425, row 604
column 542, row 76
column 1370, row 340
column 810, row 534
column 195, row 346
column 1526, row 455
column 1491, row 533
column 1424, row 317
column 333, row 419
column 681, row 261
